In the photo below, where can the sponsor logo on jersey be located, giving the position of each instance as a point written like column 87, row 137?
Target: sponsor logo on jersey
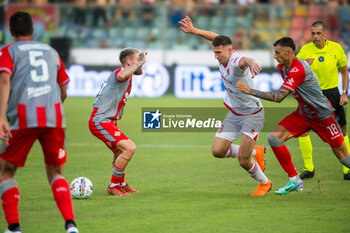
column 151, row 120
column 290, row 81
column 321, row 59
column 38, row 91
column 116, row 133
column 0, row 54
column 294, row 70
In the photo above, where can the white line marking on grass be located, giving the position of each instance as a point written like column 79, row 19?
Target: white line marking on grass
column 80, row 144
column 74, row 144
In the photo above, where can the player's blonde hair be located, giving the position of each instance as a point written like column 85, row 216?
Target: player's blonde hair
column 125, row 53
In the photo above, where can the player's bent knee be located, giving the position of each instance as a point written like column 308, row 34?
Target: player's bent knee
column 218, row 152
column 7, row 169
column 274, row 141
column 131, row 148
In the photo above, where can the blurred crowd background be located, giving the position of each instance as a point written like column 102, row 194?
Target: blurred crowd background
column 153, row 24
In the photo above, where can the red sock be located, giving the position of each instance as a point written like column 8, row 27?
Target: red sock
column 63, row 199
column 10, row 199
column 123, row 178
column 285, row 159
column 118, row 179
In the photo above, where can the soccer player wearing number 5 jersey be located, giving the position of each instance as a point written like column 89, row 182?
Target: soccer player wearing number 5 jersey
column 314, row 112
column 325, row 57
column 108, row 109
column 33, row 87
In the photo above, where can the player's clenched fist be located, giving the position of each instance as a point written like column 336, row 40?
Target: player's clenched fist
column 142, row 58
column 243, row 87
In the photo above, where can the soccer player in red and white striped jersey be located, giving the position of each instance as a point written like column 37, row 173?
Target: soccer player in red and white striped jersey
column 314, row 112
column 33, row 87
column 108, row 109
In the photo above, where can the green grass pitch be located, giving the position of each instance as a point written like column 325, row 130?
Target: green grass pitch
column 182, row 187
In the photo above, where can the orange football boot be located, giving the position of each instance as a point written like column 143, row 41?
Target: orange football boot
column 117, row 190
column 128, row 189
column 262, row 189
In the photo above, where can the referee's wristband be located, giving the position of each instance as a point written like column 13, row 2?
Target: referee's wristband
column 345, row 91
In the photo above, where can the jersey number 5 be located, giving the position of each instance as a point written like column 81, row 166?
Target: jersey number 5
column 36, row 60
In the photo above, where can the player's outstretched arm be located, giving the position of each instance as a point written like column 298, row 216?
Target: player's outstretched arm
column 251, row 63
column 130, row 70
column 187, row 27
column 275, row 96
column 5, row 132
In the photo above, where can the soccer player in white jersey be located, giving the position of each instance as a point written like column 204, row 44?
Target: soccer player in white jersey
column 33, row 84
column 246, row 114
column 108, row 109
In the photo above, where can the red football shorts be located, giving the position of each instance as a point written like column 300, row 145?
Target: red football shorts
column 108, row 133
column 327, row 129
column 51, row 140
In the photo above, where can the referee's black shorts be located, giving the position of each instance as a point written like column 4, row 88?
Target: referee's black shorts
column 334, row 97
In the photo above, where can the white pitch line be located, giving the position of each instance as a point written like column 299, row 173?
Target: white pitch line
column 144, row 145
column 81, row 144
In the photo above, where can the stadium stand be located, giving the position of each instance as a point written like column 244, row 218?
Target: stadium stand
column 152, row 24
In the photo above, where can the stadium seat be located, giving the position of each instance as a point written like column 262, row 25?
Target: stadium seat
column 245, row 21
column 216, row 21
column 264, row 34
column 230, row 22
column 298, row 23
column 142, row 33
column 315, row 11
column 202, row 21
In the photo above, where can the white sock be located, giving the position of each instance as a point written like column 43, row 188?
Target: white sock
column 113, row 185
column 295, row 179
column 257, row 174
column 232, row 151
column 254, row 152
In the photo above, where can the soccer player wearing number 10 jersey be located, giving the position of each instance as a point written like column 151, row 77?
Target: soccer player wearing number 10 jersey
column 33, row 87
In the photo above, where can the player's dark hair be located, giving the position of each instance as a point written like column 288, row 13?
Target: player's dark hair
column 21, row 24
column 285, row 42
column 319, row 23
column 125, row 53
column 221, row 40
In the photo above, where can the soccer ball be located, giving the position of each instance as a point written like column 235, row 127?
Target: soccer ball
column 81, row 188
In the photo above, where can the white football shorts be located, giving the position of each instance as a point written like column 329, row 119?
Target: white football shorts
column 234, row 126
